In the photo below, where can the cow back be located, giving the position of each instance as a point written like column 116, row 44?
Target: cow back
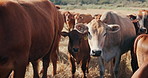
column 28, row 30
column 44, row 26
column 15, row 30
column 141, row 49
column 123, row 37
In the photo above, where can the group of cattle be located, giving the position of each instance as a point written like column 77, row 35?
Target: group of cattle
column 31, row 30
column 109, row 36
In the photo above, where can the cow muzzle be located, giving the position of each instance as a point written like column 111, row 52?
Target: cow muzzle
column 75, row 50
column 142, row 30
column 95, row 53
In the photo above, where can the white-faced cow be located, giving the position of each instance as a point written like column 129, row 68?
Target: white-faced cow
column 142, row 18
column 109, row 38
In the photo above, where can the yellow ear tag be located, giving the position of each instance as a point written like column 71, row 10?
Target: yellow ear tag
column 85, row 37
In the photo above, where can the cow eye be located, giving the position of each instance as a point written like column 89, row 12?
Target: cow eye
column 89, row 36
column 104, row 34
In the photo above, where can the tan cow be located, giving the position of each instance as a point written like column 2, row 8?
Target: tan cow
column 69, row 20
column 82, row 18
column 29, row 31
column 140, row 53
column 142, row 71
column 140, row 56
column 97, row 16
column 109, row 38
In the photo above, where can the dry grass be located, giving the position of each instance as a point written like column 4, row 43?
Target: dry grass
column 63, row 65
column 64, row 70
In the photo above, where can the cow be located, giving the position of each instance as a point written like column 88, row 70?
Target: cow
column 142, row 18
column 29, row 31
column 79, row 50
column 109, row 38
column 55, row 51
column 139, row 55
column 69, row 20
column 141, row 26
column 82, row 18
column 134, row 20
column 142, row 71
column 97, row 16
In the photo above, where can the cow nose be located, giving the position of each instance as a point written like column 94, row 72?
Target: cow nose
column 75, row 49
column 93, row 51
column 143, row 30
column 68, row 20
column 96, row 53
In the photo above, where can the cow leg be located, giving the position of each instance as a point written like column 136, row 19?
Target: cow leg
column 101, row 66
column 20, row 67
column 134, row 62
column 54, row 56
column 35, row 65
column 116, row 67
column 54, row 61
column 87, row 65
column 83, row 67
column 46, row 60
column 73, row 67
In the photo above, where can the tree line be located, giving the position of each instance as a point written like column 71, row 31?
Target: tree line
column 79, row 2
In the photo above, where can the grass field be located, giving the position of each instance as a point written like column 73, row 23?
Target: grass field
column 63, row 66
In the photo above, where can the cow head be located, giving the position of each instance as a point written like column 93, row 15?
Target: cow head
column 97, row 32
column 142, row 18
column 68, row 16
column 139, row 22
column 75, row 39
column 78, row 18
column 97, row 16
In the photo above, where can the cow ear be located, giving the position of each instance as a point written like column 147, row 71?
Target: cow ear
column 82, row 28
column 81, row 17
column 64, row 34
column 113, row 28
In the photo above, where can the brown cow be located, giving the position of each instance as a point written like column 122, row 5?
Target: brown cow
column 79, row 50
column 140, row 54
column 55, row 51
column 142, row 18
column 82, row 18
column 133, row 19
column 142, row 71
column 29, row 30
column 109, row 38
column 69, row 20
